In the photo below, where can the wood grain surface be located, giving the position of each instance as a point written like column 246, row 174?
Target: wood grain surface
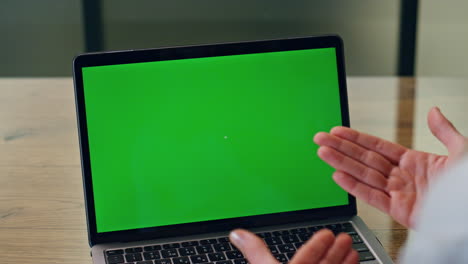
column 42, row 216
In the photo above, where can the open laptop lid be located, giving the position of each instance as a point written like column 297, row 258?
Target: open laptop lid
column 187, row 140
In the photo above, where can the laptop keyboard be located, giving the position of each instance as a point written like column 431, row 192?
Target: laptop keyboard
column 282, row 243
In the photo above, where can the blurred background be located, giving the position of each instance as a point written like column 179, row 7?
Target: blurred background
column 382, row 38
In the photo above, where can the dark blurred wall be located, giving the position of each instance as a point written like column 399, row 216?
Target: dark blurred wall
column 42, row 36
column 369, row 27
column 39, row 37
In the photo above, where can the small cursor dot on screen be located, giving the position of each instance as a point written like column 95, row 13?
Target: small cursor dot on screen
column 225, row 137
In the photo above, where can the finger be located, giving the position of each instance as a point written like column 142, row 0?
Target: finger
column 367, row 157
column 315, row 248
column 444, row 130
column 389, row 150
column 352, row 257
column 253, row 248
column 361, row 172
column 372, row 196
column 339, row 250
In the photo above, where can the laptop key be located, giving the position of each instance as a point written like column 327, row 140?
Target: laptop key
column 224, row 262
column 222, row 247
column 276, row 233
column 169, row 253
column 365, row 256
column 181, row 260
column 348, row 228
column 356, row 239
column 290, row 255
column 217, row 256
column 114, row 259
column 134, row 250
column 114, row 252
column 208, row 241
column 199, row 259
column 360, row 247
column 188, row 251
column 223, row 240
column 171, row 246
column 234, row 254
column 294, row 231
column 304, row 237
column 281, row 257
column 286, row 248
column 204, row 249
column 334, row 227
column 314, row 229
column 163, row 261
column 271, row 241
column 133, row 257
column 297, row 230
column 190, row 244
column 152, row 248
column 145, row 262
column 240, row 261
column 151, row 255
column 273, row 250
column 290, row 239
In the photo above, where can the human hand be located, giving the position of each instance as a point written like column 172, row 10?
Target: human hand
column 386, row 175
column 322, row 248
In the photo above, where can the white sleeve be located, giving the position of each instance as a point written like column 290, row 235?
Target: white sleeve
column 441, row 234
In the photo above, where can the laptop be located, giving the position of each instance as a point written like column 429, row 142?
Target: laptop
column 181, row 145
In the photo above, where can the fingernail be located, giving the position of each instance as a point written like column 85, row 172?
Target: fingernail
column 236, row 238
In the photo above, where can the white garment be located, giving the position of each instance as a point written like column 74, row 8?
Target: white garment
column 441, row 230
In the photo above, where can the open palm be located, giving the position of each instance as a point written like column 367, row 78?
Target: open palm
column 386, row 175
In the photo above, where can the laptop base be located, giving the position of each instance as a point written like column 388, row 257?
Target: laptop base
column 283, row 241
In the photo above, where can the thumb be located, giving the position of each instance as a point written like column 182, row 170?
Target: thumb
column 253, row 248
column 444, row 130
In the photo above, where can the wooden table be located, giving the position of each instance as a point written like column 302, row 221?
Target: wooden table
column 42, row 217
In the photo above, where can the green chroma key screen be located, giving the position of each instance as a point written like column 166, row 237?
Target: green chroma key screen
column 201, row 139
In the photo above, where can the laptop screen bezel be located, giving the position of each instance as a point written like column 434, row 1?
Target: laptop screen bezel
column 176, row 53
